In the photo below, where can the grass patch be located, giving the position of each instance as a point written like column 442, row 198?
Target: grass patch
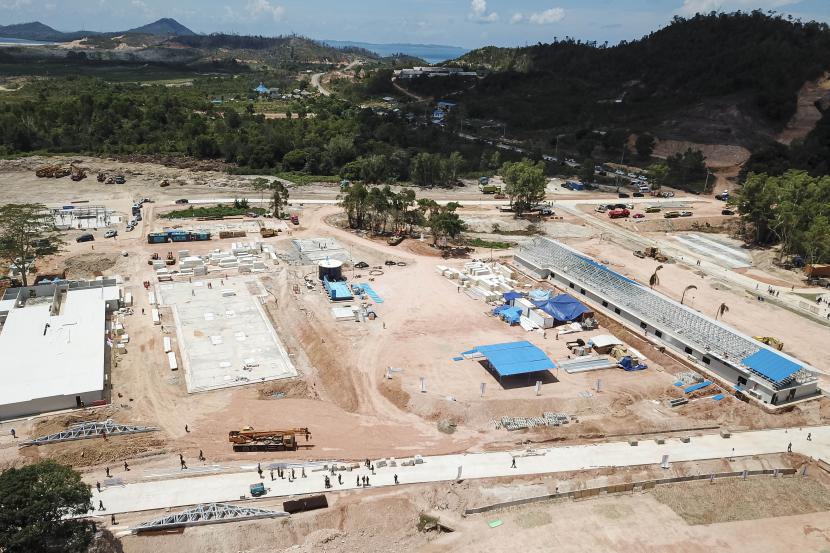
column 215, row 211
column 302, row 179
column 481, row 243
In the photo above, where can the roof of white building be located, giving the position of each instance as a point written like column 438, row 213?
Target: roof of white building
column 67, row 359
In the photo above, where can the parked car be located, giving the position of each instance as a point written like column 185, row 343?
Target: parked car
column 601, row 209
column 686, row 213
column 653, row 209
column 639, row 216
column 361, row 265
column 671, row 214
column 182, row 201
column 618, row 213
column 638, row 195
column 130, row 227
column 111, row 234
column 85, row 238
column 624, row 195
column 120, row 179
column 727, row 212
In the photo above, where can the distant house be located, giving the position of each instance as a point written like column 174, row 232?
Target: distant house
column 216, row 101
column 446, row 105
column 261, row 89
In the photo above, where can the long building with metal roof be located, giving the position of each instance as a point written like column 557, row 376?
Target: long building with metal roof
column 750, row 366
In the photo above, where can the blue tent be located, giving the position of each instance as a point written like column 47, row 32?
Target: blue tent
column 563, row 308
column 262, row 89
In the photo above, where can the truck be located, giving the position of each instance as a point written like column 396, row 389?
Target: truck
column 813, row 270
column 723, row 196
column 489, row 189
column 618, row 213
column 268, row 440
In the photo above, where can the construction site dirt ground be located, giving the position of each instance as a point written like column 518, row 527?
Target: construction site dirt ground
column 341, row 393
column 791, row 510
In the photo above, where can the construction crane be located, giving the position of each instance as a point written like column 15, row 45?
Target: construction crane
column 268, row 440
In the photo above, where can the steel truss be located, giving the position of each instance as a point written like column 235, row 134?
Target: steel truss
column 207, row 513
column 90, row 429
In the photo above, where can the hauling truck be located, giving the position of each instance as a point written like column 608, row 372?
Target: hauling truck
column 816, row 271
column 268, row 440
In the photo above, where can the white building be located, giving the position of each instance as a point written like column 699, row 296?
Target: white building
column 747, row 365
column 53, row 346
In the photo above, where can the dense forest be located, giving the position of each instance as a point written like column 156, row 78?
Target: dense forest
column 759, row 59
column 331, row 137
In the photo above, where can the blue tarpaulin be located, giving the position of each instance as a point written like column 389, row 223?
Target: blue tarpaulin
column 771, row 365
column 510, row 296
column 514, row 358
column 698, row 386
column 512, row 315
column 563, row 308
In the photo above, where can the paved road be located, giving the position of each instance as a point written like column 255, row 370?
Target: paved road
column 178, row 492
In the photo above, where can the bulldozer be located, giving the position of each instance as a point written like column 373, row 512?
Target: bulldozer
column 771, row 341
column 102, row 177
column 268, row 440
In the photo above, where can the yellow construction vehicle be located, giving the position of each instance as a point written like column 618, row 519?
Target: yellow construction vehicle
column 771, row 341
column 269, row 440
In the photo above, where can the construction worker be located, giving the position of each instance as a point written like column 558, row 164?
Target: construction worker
column 339, row 479
column 186, row 429
column 184, row 465
column 259, row 470
column 790, row 447
column 14, row 434
column 101, row 505
column 201, row 455
column 293, row 477
column 809, row 436
column 126, row 466
column 357, row 483
column 272, row 475
column 303, row 469
column 108, row 472
column 396, row 479
column 513, row 464
column 112, row 520
column 98, row 485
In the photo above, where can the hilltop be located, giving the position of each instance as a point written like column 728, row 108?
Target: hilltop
column 39, row 31
column 165, row 26
column 725, row 78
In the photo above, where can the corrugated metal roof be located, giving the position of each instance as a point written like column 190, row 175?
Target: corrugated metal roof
column 513, row 358
column 771, row 365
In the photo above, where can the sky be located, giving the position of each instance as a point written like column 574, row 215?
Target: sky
column 466, row 23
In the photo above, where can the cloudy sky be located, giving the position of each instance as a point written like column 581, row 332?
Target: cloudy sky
column 468, row 23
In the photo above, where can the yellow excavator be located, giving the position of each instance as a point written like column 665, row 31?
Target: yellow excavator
column 771, row 341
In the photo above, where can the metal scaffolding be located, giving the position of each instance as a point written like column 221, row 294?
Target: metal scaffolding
column 695, row 329
column 90, row 429
column 207, row 513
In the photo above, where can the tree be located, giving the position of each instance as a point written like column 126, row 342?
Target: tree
column 454, row 165
column 278, row 192
column 27, row 230
column 445, row 222
column 353, row 199
column 525, row 184
column 428, row 170
column 586, row 171
column 644, row 145
column 654, row 280
column 295, row 160
column 658, row 175
column 686, row 168
column 722, row 310
column 38, row 506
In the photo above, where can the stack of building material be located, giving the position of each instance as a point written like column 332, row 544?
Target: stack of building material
column 544, row 320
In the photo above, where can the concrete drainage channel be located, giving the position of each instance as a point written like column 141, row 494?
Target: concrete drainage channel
column 632, row 487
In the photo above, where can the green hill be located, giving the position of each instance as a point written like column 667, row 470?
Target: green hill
column 737, row 75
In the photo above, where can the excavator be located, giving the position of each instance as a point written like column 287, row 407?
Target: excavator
column 771, row 341
column 268, row 440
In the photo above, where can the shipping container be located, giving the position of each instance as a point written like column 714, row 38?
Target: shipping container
column 541, row 318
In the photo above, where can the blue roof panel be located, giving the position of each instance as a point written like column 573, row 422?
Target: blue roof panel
column 771, row 365
column 513, row 358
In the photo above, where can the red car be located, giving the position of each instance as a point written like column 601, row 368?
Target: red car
column 618, row 213
column 639, row 216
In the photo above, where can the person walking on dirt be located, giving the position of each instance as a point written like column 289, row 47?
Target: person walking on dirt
column 201, row 455
column 108, row 471
column 126, row 466
column 293, row 475
column 14, row 434
column 98, row 486
column 101, row 505
column 358, row 482
column 272, row 475
column 809, row 436
column 303, row 474
column 112, row 520
column 259, row 470
column 396, row 479
column 184, row 465
column 186, row 429
column 513, row 464
column 340, row 479
column 790, row 447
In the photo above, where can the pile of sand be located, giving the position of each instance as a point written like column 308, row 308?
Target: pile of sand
column 89, row 265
